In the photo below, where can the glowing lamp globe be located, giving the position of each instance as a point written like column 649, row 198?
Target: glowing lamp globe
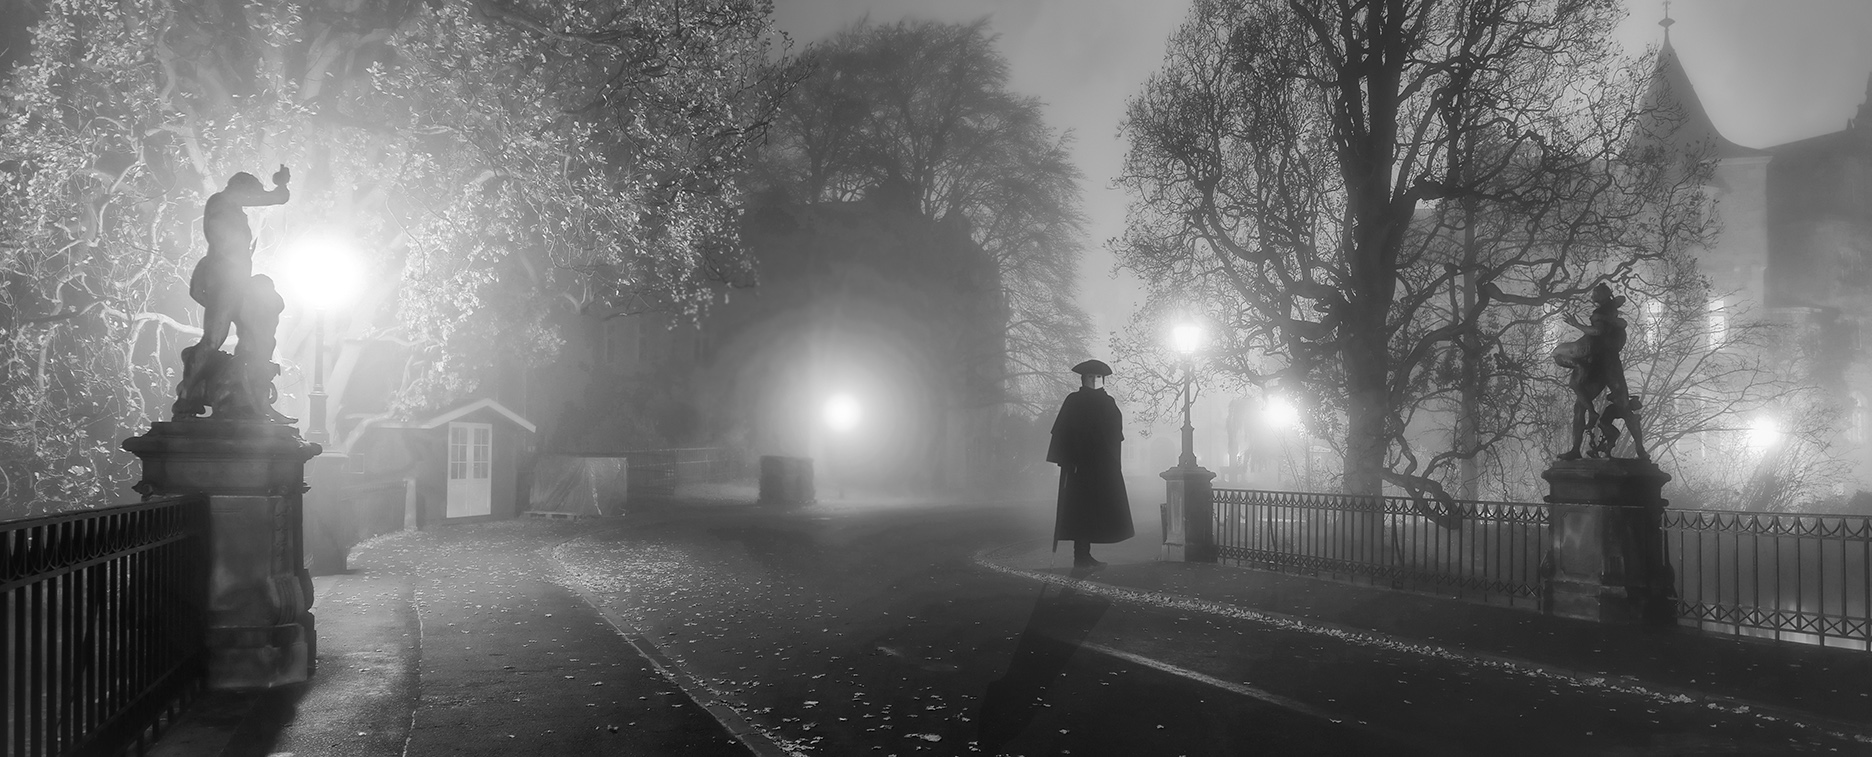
column 322, row 272
column 1186, row 338
column 1763, row 432
column 1282, row 414
column 842, row 412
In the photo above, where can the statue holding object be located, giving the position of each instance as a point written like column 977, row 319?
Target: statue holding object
column 238, row 386
column 1598, row 369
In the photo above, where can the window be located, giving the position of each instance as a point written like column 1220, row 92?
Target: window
column 482, row 453
column 457, row 452
column 1718, row 317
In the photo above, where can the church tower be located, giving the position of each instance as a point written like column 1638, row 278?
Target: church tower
column 1674, row 115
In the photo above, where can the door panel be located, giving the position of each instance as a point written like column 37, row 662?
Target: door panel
column 470, row 469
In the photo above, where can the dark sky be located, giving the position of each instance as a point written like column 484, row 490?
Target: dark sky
column 1769, row 71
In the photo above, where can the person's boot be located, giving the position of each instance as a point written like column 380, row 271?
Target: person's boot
column 1082, row 556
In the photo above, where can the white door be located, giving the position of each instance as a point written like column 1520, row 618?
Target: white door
column 470, row 460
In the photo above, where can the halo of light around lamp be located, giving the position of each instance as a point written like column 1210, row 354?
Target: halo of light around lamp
column 1281, row 413
column 322, row 272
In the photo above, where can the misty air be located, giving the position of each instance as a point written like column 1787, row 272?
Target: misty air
column 801, row 378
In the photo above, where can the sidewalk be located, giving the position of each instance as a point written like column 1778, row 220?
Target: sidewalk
column 458, row 642
column 1828, row 688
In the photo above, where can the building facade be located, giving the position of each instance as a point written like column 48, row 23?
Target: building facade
column 1795, row 249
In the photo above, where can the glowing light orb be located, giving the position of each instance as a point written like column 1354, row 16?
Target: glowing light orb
column 1282, row 414
column 1186, row 338
column 1763, row 432
column 322, row 272
column 842, row 412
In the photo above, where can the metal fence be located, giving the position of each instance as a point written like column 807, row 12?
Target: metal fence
column 659, row 471
column 1491, row 552
column 101, row 638
column 1785, row 576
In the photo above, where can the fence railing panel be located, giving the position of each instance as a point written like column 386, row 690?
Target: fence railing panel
column 1485, row 551
column 662, row 470
column 1784, row 576
column 101, row 637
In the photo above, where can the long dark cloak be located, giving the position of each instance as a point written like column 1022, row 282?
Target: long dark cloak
column 1087, row 438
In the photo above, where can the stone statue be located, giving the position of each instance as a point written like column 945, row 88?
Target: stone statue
column 1597, row 369
column 238, row 386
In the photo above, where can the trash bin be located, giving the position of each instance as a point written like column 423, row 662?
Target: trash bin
column 786, row 481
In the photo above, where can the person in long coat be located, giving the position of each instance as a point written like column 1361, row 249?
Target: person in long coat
column 1093, row 507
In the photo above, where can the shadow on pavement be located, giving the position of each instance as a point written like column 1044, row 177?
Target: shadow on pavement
column 1058, row 627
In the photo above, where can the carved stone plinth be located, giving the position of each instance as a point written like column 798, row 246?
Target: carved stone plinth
column 1189, row 514
column 1607, row 542
column 260, row 626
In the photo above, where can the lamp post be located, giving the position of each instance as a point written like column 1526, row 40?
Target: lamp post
column 1186, row 339
column 1189, row 501
column 842, row 413
column 325, row 275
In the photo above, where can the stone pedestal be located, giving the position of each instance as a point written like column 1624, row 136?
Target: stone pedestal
column 1607, row 542
column 1189, row 514
column 260, row 626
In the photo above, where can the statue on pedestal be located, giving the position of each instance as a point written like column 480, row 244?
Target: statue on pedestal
column 238, row 386
column 1597, row 369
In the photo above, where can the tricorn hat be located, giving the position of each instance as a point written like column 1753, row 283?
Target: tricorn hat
column 1092, row 368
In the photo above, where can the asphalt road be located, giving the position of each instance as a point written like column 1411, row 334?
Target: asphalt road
column 873, row 627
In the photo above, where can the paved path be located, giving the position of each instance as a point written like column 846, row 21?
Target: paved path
column 715, row 628
column 458, row 642
column 948, row 628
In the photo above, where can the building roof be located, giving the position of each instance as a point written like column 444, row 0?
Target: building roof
column 445, row 417
column 1675, row 114
column 1676, row 117
column 1672, row 101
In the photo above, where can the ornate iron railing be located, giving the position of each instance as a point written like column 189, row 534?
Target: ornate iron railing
column 101, row 637
column 1784, row 576
column 1484, row 551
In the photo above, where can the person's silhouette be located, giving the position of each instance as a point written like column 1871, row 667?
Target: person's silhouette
column 1093, row 507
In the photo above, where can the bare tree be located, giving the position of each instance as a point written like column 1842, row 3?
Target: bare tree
column 1370, row 196
column 922, row 109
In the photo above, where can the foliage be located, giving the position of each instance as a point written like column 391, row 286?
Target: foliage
column 921, row 109
column 1372, row 199
column 493, row 158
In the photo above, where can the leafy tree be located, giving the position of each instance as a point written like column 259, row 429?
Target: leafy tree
column 1371, row 198
column 922, row 109
column 495, row 158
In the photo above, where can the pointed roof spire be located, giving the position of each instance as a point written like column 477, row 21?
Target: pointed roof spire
column 1675, row 113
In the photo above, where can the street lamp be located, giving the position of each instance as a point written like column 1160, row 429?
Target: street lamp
column 842, row 414
column 1187, row 339
column 325, row 274
column 1763, row 432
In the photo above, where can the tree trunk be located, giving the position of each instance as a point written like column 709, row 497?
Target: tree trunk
column 1469, row 389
